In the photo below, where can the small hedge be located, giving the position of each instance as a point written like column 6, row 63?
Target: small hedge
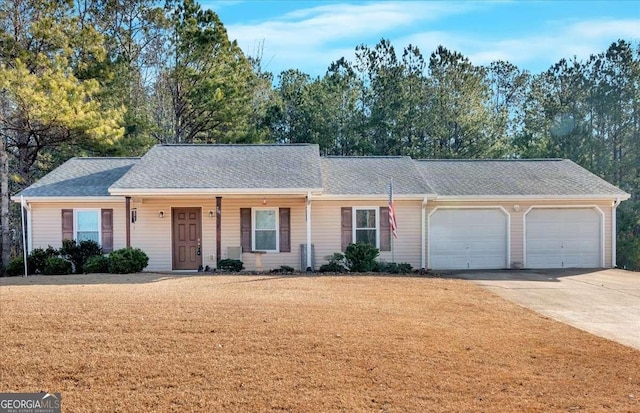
column 57, row 266
column 127, row 260
column 395, row 268
column 361, row 257
column 231, row 265
column 15, row 267
column 79, row 252
column 97, row 264
column 336, row 264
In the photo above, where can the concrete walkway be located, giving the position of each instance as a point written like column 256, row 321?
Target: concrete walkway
column 602, row 302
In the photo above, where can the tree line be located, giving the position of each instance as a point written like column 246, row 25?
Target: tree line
column 114, row 77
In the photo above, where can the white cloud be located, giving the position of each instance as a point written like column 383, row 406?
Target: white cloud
column 314, row 37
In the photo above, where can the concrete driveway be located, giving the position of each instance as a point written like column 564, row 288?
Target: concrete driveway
column 602, row 302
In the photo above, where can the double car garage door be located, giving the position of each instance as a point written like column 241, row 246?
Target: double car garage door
column 479, row 238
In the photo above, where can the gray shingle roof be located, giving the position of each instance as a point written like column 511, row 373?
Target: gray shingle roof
column 551, row 177
column 225, row 167
column 81, row 177
column 371, row 176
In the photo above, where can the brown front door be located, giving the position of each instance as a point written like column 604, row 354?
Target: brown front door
column 187, row 237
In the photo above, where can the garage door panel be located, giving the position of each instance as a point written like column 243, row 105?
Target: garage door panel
column 563, row 238
column 467, row 239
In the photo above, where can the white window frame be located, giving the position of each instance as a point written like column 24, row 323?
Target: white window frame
column 253, row 228
column 75, row 222
column 354, row 219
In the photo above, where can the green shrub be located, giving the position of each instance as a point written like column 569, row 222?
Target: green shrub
column 78, row 253
column 127, row 260
column 285, row 269
column 395, row 268
column 37, row 259
column 96, row 264
column 230, row 265
column 361, row 257
column 57, row 266
column 15, row 267
column 336, row 263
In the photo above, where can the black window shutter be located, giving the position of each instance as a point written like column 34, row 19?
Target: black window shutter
column 107, row 230
column 385, row 230
column 347, row 234
column 285, row 229
column 245, row 229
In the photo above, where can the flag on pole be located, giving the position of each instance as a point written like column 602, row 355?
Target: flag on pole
column 392, row 213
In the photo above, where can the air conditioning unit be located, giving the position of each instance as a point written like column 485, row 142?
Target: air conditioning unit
column 303, row 257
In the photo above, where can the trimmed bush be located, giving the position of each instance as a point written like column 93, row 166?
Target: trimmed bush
column 78, row 253
column 57, row 266
column 230, row 265
column 336, row 264
column 361, row 257
column 395, row 268
column 96, row 264
column 38, row 258
column 15, row 267
column 127, row 261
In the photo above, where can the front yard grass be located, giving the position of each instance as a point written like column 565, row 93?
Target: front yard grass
column 150, row 342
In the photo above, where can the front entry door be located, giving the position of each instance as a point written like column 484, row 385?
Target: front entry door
column 187, row 238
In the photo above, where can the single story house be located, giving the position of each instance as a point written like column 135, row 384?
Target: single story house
column 189, row 206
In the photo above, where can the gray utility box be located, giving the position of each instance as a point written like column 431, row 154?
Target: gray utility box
column 303, row 257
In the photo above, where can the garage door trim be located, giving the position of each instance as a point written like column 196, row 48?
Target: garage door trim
column 498, row 207
column 594, row 207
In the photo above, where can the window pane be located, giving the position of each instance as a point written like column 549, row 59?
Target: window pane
column 265, row 240
column 87, row 235
column 365, row 218
column 366, row 236
column 87, row 221
column 266, row 219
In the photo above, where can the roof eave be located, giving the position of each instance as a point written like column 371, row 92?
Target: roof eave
column 622, row 197
column 396, row 197
column 77, row 198
column 212, row 191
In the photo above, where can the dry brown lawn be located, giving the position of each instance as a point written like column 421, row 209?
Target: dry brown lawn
column 151, row 342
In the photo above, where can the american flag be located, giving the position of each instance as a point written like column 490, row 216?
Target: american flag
column 392, row 213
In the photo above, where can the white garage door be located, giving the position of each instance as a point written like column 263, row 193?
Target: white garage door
column 468, row 239
column 563, row 238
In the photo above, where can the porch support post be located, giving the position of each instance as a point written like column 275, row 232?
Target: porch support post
column 218, row 229
column 309, row 232
column 423, row 249
column 127, row 211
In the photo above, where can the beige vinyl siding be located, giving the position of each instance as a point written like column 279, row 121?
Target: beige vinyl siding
column 517, row 220
column 153, row 234
column 46, row 222
column 270, row 260
column 326, row 231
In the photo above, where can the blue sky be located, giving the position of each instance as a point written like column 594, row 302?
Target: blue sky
column 309, row 35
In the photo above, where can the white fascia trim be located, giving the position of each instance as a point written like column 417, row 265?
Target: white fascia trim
column 216, row 191
column 50, row 199
column 524, row 227
column 369, row 197
column 529, row 197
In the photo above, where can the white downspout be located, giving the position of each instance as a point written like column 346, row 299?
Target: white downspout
column 614, row 234
column 24, row 236
column 308, row 231
column 423, row 235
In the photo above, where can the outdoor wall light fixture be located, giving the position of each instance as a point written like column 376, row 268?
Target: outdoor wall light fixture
column 134, row 215
column 516, row 208
column 161, row 214
column 264, row 201
column 210, row 214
